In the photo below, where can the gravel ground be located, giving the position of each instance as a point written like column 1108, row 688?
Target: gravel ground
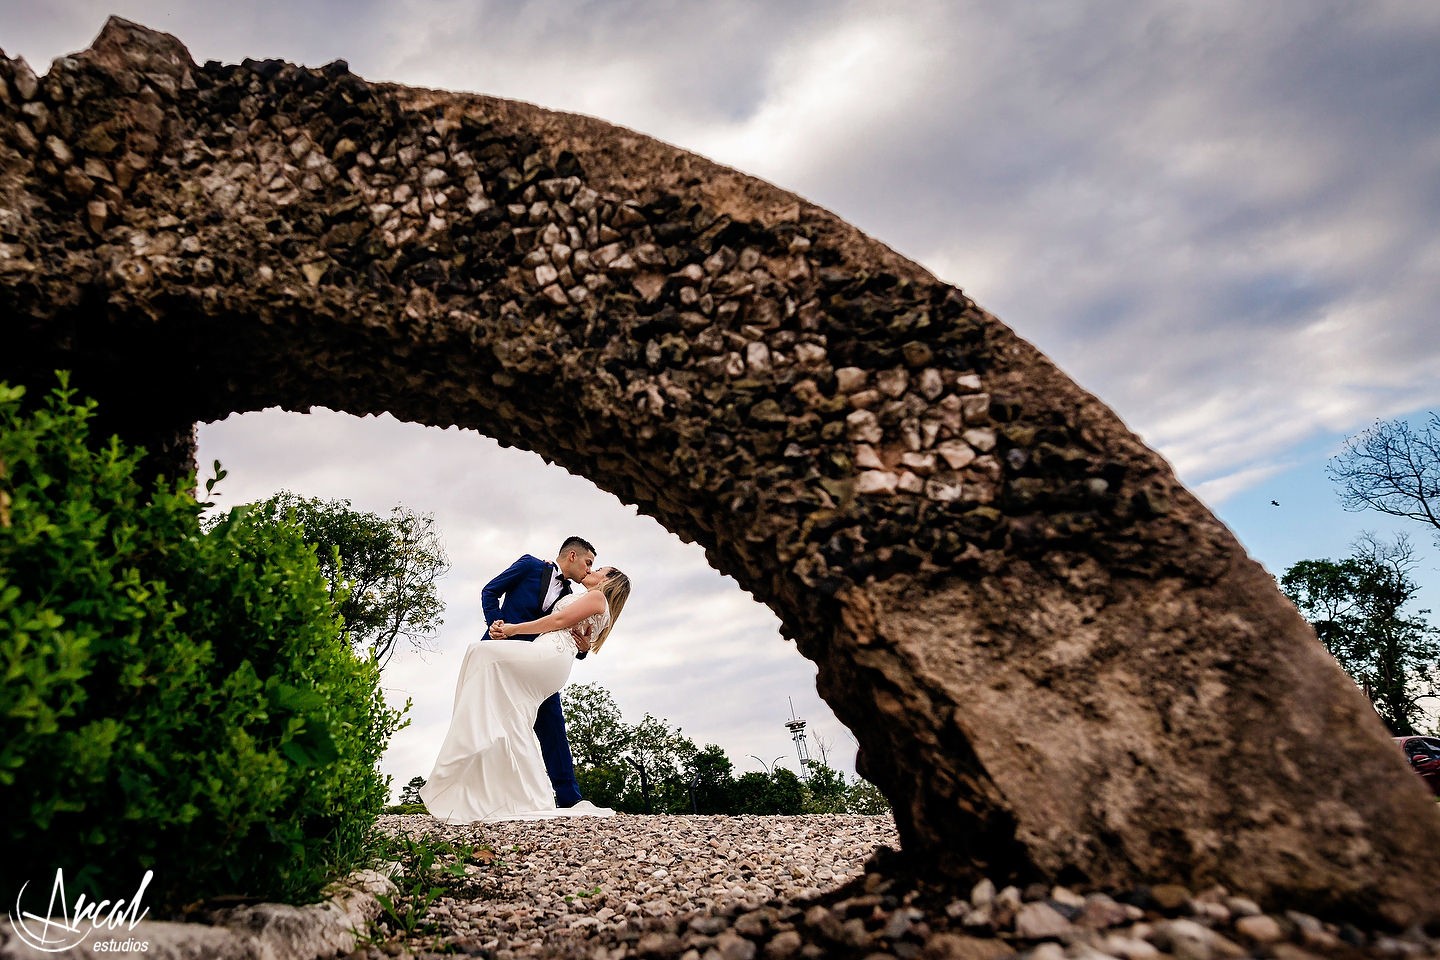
column 799, row 888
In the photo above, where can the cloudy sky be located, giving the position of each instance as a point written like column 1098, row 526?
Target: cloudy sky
column 1223, row 218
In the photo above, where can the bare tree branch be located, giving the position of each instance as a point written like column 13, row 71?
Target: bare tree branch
column 1393, row 469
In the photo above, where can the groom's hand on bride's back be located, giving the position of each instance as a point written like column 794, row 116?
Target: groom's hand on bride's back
column 582, row 640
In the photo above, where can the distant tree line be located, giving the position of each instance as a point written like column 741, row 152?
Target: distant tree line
column 651, row 767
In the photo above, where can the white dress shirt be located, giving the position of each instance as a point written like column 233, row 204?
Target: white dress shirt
column 557, row 581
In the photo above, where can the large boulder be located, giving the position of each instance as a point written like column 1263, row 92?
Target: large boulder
column 1058, row 664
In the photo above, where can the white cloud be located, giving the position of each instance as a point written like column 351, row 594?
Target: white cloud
column 826, row 93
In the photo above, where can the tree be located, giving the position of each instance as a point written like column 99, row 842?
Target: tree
column 603, row 786
column 766, row 794
column 862, row 796
column 1357, row 607
column 657, row 756
column 598, row 739
column 384, row 569
column 824, row 789
column 1393, row 469
column 752, row 794
column 411, row 792
column 786, row 791
column 711, row 781
column 823, row 746
column 598, row 734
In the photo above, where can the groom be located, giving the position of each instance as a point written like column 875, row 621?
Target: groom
column 530, row 588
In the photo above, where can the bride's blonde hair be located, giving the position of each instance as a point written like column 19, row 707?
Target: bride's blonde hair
column 616, row 587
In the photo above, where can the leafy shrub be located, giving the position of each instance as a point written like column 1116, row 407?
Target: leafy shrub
column 779, row 792
column 711, row 777
column 175, row 698
column 602, row 786
column 825, row 789
column 406, row 808
column 862, row 796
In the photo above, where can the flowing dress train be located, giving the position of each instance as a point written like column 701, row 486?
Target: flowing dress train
column 490, row 766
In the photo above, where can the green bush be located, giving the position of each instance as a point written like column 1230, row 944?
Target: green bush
column 603, row 786
column 175, row 698
column 825, row 789
column 862, row 796
column 406, row 808
column 778, row 793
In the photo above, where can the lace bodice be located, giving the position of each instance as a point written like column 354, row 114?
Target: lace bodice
column 595, row 622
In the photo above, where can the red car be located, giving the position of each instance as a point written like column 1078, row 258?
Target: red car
column 1424, row 755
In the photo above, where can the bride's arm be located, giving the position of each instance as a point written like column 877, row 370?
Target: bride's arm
column 588, row 605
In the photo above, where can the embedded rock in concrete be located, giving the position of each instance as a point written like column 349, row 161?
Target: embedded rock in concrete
column 1058, row 664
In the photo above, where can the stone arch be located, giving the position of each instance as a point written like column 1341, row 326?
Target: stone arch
column 1058, row 664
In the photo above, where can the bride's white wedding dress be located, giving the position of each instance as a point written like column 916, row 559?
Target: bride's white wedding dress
column 490, row 766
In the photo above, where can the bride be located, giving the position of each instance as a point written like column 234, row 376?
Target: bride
column 490, row 767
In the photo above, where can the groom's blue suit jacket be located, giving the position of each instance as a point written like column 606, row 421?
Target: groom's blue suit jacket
column 518, row 594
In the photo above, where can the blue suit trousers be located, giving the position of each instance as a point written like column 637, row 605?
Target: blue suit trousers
column 555, row 747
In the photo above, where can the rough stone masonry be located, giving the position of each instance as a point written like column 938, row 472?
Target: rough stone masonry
column 1058, row 664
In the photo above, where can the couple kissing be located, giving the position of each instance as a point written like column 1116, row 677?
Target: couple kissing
column 506, row 755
